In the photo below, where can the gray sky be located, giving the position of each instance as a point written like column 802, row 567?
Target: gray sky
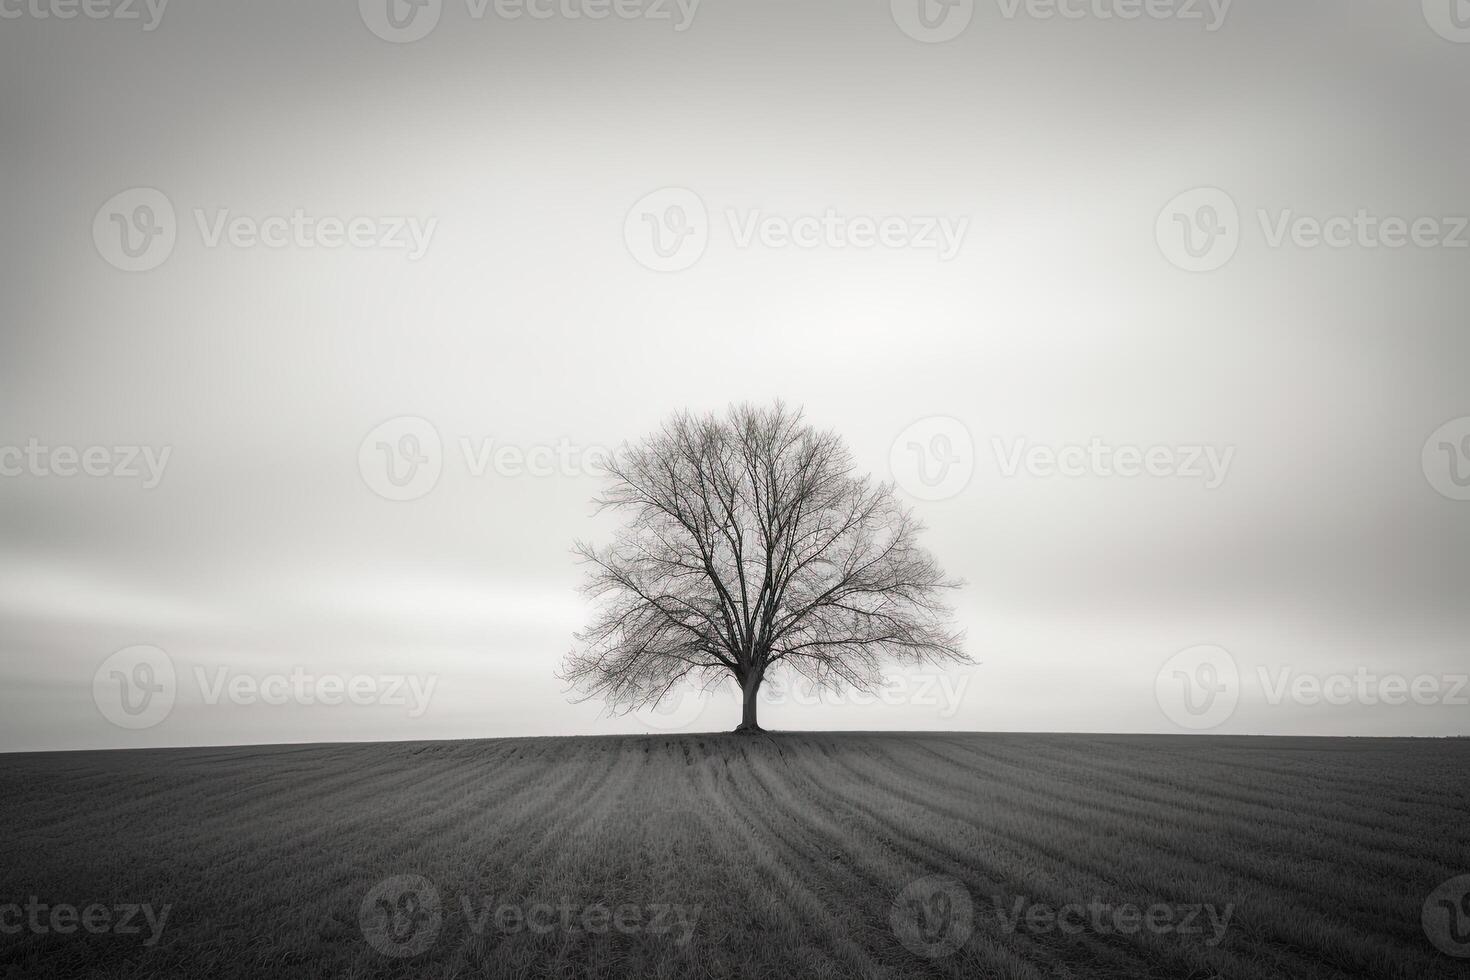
column 529, row 156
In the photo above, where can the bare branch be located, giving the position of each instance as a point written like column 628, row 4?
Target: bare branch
column 749, row 543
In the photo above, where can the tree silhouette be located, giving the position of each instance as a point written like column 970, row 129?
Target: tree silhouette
column 751, row 544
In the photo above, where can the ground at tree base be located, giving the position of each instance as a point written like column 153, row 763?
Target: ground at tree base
column 788, row 854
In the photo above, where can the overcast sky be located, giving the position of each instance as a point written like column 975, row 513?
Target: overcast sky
column 993, row 268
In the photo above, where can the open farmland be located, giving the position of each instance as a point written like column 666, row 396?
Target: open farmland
column 716, row 855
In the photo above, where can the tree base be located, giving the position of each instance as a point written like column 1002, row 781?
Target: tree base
column 749, row 730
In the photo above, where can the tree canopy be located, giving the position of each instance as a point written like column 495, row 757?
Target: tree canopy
column 751, row 544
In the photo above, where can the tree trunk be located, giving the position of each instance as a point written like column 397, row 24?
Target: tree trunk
column 748, row 703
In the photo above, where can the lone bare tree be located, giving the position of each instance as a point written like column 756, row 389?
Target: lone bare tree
column 751, row 543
